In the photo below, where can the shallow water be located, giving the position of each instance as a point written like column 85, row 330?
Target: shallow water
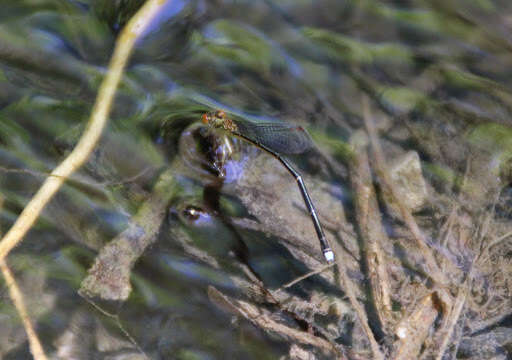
column 215, row 236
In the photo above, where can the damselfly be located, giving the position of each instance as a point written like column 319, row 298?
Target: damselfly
column 275, row 138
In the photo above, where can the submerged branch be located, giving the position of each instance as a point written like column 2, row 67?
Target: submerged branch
column 109, row 277
column 431, row 268
column 370, row 228
column 265, row 321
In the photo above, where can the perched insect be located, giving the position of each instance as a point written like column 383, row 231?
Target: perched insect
column 275, row 138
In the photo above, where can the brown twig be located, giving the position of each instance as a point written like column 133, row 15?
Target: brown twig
column 265, row 322
column 485, row 252
column 446, row 332
column 36, row 348
column 253, row 288
column 305, row 276
column 370, row 227
column 414, row 329
column 432, row 269
column 346, row 284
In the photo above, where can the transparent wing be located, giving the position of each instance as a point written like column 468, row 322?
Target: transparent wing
column 281, row 137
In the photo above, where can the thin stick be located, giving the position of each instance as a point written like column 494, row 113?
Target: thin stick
column 265, row 321
column 36, row 348
column 124, row 46
column 432, row 269
column 446, row 332
column 496, row 242
column 370, row 228
column 119, row 325
column 346, row 284
column 413, row 330
column 305, row 276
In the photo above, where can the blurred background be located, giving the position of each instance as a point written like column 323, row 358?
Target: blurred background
column 191, row 216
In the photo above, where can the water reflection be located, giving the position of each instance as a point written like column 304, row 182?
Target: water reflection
column 212, row 154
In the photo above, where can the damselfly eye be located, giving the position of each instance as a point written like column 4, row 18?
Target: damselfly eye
column 205, row 118
column 192, row 213
column 219, row 114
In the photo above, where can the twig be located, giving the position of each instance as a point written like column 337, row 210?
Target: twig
column 414, row 329
column 305, row 276
column 446, row 332
column 131, row 178
column 17, row 298
column 346, row 284
column 124, row 46
column 115, row 317
column 253, row 288
column 432, row 269
column 265, row 322
column 24, row 171
column 109, row 277
column 447, row 226
column 498, row 240
column 36, row 173
column 475, row 327
column 485, row 252
column 371, row 229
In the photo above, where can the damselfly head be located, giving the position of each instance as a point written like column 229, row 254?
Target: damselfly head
column 215, row 119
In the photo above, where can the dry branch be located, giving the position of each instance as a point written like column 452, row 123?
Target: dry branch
column 370, row 227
